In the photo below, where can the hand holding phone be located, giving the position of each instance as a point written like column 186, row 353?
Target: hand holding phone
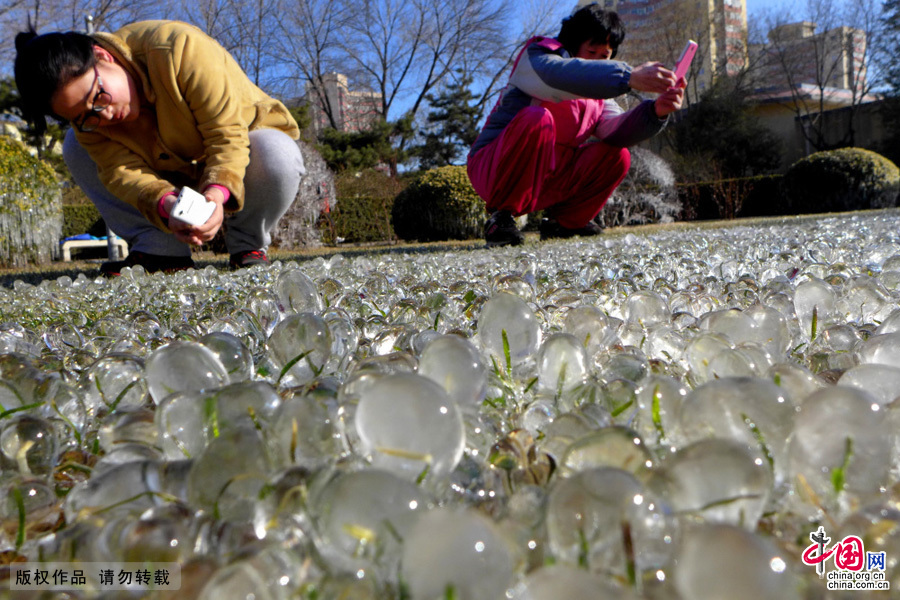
column 684, row 63
column 192, row 207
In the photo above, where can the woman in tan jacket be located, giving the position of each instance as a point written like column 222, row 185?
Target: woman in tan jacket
column 155, row 106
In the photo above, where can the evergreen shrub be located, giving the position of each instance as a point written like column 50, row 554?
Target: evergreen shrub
column 30, row 208
column 440, row 204
column 363, row 211
column 839, row 180
column 82, row 218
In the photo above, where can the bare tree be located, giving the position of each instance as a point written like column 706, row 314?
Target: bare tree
column 404, row 48
column 490, row 70
column 308, row 49
column 820, row 59
column 243, row 27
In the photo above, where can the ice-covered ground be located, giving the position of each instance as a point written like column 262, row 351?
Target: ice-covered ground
column 669, row 414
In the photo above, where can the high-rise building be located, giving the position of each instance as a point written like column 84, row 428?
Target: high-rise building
column 657, row 30
column 797, row 55
column 353, row 111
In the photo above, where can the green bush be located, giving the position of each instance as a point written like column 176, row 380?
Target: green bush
column 838, row 180
column 363, row 211
column 359, row 219
column 82, row 218
column 440, row 204
column 729, row 198
column 30, row 208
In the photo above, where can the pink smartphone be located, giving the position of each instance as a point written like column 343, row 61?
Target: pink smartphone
column 684, row 63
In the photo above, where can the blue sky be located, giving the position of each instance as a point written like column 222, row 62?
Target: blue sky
column 754, row 7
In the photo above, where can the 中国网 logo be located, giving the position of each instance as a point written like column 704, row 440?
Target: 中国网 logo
column 854, row 568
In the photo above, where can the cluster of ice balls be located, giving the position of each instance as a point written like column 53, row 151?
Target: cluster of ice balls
column 649, row 416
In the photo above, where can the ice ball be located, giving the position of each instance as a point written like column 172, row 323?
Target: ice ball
column 409, row 425
column 183, row 366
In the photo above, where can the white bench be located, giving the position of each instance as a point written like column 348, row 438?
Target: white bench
column 118, row 243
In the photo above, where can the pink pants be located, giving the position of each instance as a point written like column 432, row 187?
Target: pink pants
column 525, row 170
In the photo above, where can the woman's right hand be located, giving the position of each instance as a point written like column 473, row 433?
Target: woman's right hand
column 652, row 77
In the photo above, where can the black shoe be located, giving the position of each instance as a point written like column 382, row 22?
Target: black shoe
column 549, row 228
column 248, row 258
column 152, row 263
column 500, row 230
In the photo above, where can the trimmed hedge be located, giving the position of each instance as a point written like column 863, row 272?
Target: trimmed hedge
column 440, row 204
column 358, row 219
column 839, row 180
column 365, row 200
column 82, row 218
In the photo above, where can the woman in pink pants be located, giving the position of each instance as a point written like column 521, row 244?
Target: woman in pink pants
column 556, row 141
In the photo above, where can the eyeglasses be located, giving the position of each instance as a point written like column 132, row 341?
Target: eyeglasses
column 101, row 101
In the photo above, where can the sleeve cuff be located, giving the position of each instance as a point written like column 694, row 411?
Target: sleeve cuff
column 161, row 205
column 225, row 191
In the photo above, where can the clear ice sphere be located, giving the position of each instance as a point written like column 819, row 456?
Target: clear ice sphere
column 700, row 353
column 297, row 293
column 840, row 448
column 300, row 346
column 797, row 381
column 814, row 296
column 716, row 561
column 505, row 315
column 234, row 454
column 882, row 381
column 561, row 363
column 461, row 551
column 604, row 518
column 181, row 367
column 303, row 433
column 30, row 443
column 116, row 380
column 590, row 326
column 752, row 411
column 454, row 363
column 617, row 447
column 716, row 480
column 646, row 308
column 659, row 400
column 883, row 349
column 409, row 425
column 232, row 353
column 364, row 515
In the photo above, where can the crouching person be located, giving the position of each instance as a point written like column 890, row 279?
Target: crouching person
column 155, row 106
column 555, row 141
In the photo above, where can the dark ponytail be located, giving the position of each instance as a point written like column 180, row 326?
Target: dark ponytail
column 46, row 62
column 591, row 23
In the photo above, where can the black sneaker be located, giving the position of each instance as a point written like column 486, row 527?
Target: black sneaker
column 549, row 229
column 500, row 230
column 248, row 258
column 152, row 263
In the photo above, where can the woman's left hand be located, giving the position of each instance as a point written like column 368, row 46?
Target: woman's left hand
column 670, row 100
column 202, row 233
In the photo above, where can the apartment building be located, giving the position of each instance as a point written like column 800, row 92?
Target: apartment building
column 353, row 110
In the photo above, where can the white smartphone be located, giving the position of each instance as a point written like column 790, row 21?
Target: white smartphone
column 684, row 63
column 192, row 207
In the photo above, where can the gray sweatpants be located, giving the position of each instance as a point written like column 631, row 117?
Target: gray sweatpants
column 271, row 182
